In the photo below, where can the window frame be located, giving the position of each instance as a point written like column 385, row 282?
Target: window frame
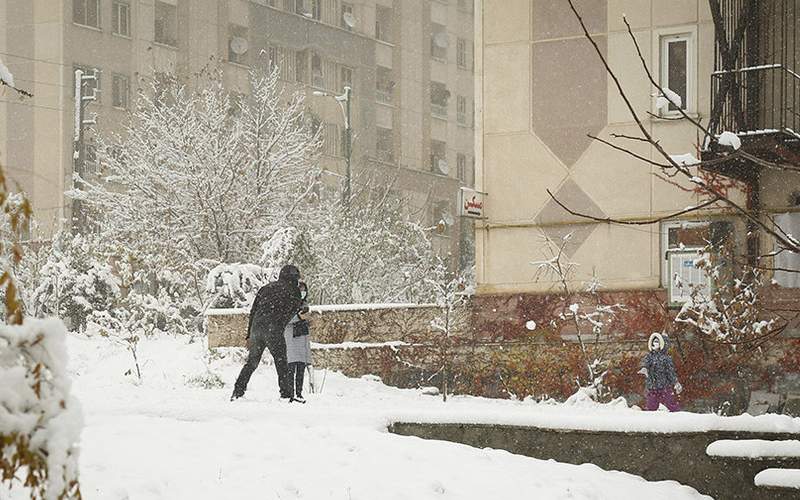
column 114, row 87
column 173, row 43
column 462, row 53
column 384, row 155
column 85, row 22
column 662, row 40
column 115, row 18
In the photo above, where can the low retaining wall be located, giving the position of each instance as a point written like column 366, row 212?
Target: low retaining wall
column 335, row 324
column 653, row 456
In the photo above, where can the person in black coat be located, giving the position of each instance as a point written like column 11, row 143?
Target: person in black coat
column 275, row 304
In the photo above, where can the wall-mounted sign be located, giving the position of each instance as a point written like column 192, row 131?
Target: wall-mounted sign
column 471, row 203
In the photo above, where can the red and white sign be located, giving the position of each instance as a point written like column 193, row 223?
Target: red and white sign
column 471, row 203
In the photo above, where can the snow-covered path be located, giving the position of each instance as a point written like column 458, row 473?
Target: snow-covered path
column 165, row 439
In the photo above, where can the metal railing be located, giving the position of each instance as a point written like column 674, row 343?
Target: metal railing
column 756, row 100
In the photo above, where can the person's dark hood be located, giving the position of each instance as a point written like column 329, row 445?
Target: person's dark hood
column 289, row 273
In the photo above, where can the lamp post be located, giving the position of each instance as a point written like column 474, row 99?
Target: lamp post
column 344, row 104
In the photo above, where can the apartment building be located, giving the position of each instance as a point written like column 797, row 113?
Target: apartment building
column 543, row 91
column 409, row 64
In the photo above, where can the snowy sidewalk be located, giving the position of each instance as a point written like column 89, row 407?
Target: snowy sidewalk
column 164, row 439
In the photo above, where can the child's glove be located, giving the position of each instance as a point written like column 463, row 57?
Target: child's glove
column 678, row 388
column 643, row 371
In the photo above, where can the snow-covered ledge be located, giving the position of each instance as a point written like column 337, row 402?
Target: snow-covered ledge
column 334, row 324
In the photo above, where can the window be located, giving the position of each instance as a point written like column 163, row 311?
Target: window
column 121, row 18
column 120, row 91
column 461, row 110
column 461, row 167
column 462, row 58
column 317, row 79
column 676, row 69
column 285, row 60
column 166, row 24
column 439, row 157
column 442, row 218
column 237, row 44
column 384, row 20
column 384, row 146
column 789, row 223
column 86, row 12
column 316, row 9
column 384, row 85
column 465, row 5
column 90, row 86
column 682, row 243
column 439, row 97
column 346, row 78
column 439, row 42
column 300, row 66
column 348, row 17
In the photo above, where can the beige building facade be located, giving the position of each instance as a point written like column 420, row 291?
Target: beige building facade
column 542, row 90
column 409, row 63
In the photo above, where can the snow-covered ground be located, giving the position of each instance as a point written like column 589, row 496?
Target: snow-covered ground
column 169, row 438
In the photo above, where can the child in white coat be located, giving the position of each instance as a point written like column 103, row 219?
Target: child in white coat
column 298, row 349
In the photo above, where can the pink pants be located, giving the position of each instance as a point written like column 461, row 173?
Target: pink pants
column 663, row 396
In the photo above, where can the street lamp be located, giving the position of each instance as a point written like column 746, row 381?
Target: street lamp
column 344, row 104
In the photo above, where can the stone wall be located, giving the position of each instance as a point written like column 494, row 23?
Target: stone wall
column 653, row 456
column 335, row 324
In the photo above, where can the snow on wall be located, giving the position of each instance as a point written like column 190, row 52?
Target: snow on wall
column 779, row 478
column 754, row 448
column 612, row 417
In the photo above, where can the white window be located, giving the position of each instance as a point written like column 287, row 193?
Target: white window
column 462, row 59
column 461, row 110
column 120, row 91
column 166, row 24
column 677, row 69
column 121, row 18
column 86, row 12
column 787, row 264
column 682, row 244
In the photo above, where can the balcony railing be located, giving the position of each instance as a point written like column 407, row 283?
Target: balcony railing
column 756, row 100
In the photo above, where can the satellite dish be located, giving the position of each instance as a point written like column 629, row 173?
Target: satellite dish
column 349, row 19
column 238, row 45
column 441, row 40
column 441, row 164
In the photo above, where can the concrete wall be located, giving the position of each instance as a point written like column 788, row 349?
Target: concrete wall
column 656, row 457
column 543, row 89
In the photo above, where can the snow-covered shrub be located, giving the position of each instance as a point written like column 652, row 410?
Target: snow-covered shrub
column 40, row 421
column 75, row 280
column 235, row 285
column 207, row 380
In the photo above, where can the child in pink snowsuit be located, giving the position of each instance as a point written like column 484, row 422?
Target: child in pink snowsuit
column 661, row 378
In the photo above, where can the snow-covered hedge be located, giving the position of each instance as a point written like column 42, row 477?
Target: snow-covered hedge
column 40, row 422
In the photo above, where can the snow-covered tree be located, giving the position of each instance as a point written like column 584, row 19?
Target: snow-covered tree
column 450, row 294
column 369, row 250
column 39, row 420
column 200, row 176
column 580, row 313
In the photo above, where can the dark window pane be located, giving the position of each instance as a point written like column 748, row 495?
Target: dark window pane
column 677, row 77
